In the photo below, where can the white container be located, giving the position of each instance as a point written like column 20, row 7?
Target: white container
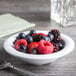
column 39, row 59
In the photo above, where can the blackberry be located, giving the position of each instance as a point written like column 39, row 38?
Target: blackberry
column 55, row 32
column 37, row 38
column 56, row 47
column 57, row 39
column 61, row 44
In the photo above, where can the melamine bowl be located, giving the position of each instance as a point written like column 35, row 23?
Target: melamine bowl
column 39, row 59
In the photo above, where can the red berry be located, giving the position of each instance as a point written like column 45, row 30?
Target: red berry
column 31, row 46
column 39, row 34
column 45, row 47
column 20, row 42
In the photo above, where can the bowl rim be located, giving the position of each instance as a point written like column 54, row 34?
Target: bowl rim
column 67, row 49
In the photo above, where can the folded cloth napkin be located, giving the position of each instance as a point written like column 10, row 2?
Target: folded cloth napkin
column 10, row 24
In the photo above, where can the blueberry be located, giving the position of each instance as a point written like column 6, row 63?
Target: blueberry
column 33, row 51
column 21, row 36
column 32, row 32
column 27, row 35
column 17, row 38
column 47, row 38
column 14, row 41
column 61, row 44
column 22, row 48
column 29, row 39
column 51, row 36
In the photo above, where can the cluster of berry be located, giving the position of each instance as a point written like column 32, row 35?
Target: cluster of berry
column 39, row 43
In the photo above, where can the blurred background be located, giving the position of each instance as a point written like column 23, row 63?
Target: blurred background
column 32, row 10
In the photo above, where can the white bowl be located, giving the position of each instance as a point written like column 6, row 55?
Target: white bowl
column 39, row 59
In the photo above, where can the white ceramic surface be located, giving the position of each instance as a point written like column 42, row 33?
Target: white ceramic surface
column 39, row 59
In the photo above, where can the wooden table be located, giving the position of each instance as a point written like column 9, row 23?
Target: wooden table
column 38, row 11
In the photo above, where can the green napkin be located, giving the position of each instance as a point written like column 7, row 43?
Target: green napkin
column 10, row 24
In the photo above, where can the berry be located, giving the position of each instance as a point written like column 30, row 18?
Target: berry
column 51, row 36
column 61, row 44
column 17, row 37
column 29, row 39
column 33, row 51
column 32, row 32
column 37, row 38
column 57, row 39
column 45, row 47
column 32, row 45
column 14, row 41
column 47, row 38
column 20, row 42
column 21, row 36
column 22, row 48
column 39, row 34
column 27, row 35
column 56, row 48
column 55, row 32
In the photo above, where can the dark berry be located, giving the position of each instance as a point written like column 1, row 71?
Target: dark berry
column 37, row 38
column 57, row 39
column 47, row 38
column 56, row 48
column 14, row 41
column 21, row 36
column 29, row 39
column 33, row 51
column 32, row 32
column 22, row 48
column 51, row 36
column 55, row 32
column 61, row 44
column 17, row 37
column 27, row 35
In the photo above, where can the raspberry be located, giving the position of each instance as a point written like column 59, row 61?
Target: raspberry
column 37, row 38
column 44, row 47
column 20, row 42
column 31, row 46
column 39, row 34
